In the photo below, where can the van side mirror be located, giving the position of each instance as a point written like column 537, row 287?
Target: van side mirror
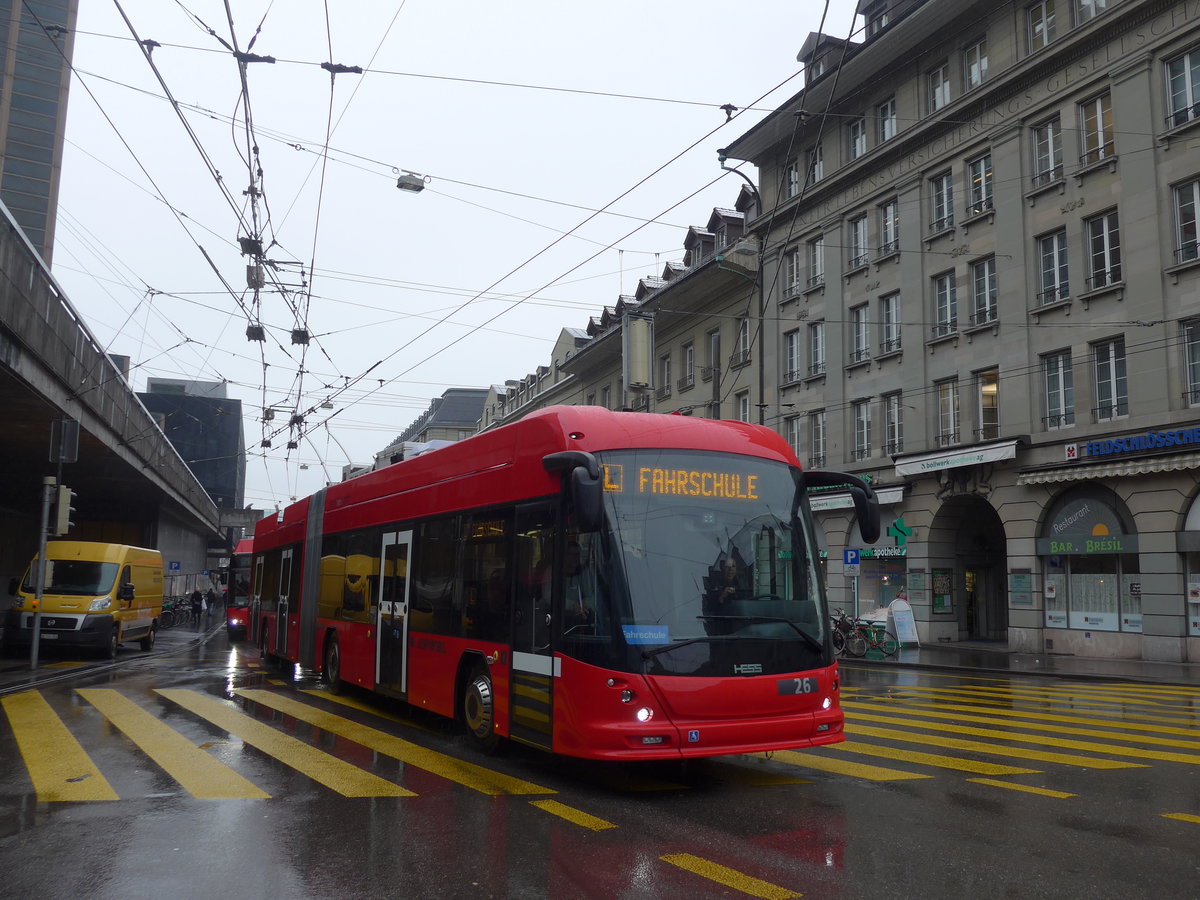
column 125, row 593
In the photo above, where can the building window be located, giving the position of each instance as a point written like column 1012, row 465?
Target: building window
column 979, row 176
column 792, row 426
column 861, row 410
column 791, row 356
column 1183, row 88
column 889, row 228
column 886, row 118
column 790, row 185
column 792, row 283
column 983, row 294
column 1191, row 344
column 889, row 315
column 688, row 376
column 816, row 165
column 858, row 243
column 1047, row 152
column 1086, row 10
column 1187, row 201
column 743, row 406
column 741, row 355
column 877, row 19
column 1060, row 389
column 816, row 261
column 1094, row 591
column 606, row 397
column 816, row 348
column 1096, row 130
column 1041, row 24
column 988, row 383
column 893, row 424
column 947, row 394
column 1104, row 250
column 975, row 64
column 714, row 356
column 860, row 334
column 1052, row 251
column 856, row 133
column 664, row 376
column 945, row 305
column 941, row 198
column 939, row 87
column 816, row 438
column 1112, row 397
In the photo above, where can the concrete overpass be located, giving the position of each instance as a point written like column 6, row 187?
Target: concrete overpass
column 132, row 485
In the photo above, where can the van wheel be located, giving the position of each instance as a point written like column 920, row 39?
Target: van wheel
column 147, row 643
column 332, row 672
column 478, row 710
column 114, row 641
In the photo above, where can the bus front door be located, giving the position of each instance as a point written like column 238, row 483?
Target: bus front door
column 531, row 698
column 391, row 671
column 283, row 607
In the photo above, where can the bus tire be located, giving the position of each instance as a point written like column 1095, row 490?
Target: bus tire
column 147, row 643
column 479, row 711
column 332, row 672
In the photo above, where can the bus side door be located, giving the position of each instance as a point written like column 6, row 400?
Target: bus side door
column 531, row 702
column 391, row 670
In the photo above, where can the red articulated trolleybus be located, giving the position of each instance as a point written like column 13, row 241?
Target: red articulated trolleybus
column 600, row 584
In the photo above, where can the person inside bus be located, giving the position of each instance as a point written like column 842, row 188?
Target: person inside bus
column 725, row 589
column 579, row 602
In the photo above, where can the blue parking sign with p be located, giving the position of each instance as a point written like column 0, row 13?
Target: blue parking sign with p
column 850, row 557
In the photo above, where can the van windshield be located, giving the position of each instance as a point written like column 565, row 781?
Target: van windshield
column 73, row 576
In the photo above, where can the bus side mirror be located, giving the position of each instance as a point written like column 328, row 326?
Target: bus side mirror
column 125, row 593
column 587, row 498
column 866, row 503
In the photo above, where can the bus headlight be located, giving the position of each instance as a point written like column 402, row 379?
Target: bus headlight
column 100, row 603
column 826, row 703
column 645, row 714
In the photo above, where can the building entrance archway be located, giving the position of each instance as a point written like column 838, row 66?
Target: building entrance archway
column 968, row 539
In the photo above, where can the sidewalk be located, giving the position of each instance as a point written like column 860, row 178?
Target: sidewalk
column 995, row 658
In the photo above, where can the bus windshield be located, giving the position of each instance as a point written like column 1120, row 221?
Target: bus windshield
column 73, row 577
column 713, row 570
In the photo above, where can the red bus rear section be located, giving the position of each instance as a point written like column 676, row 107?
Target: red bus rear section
column 598, row 584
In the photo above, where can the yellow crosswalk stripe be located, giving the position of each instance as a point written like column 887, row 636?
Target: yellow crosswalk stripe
column 930, row 759
column 467, row 774
column 811, row 759
column 1089, row 746
column 572, row 815
column 334, row 773
column 58, row 766
column 1183, row 817
column 1026, row 788
column 197, row 772
column 939, row 740
column 374, row 710
column 731, row 878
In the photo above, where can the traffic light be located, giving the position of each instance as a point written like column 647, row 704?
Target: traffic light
column 64, row 510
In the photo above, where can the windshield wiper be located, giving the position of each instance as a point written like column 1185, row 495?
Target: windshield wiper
column 649, row 654
column 812, row 641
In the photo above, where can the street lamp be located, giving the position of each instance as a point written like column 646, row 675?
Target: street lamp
column 411, row 182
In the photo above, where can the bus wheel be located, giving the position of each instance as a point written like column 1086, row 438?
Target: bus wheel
column 479, row 712
column 332, row 672
column 147, row 643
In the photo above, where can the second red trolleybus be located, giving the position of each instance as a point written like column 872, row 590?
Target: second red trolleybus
column 601, row 584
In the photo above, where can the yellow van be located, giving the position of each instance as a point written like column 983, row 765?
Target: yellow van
column 94, row 595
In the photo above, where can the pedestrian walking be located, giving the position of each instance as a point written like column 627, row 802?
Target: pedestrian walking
column 197, row 602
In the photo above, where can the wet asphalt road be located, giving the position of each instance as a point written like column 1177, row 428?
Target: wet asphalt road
column 195, row 772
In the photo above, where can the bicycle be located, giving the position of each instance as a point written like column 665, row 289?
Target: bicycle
column 847, row 638
column 876, row 639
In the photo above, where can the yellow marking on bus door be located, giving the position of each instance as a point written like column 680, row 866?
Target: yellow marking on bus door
column 60, row 769
column 578, row 817
column 467, row 774
column 930, row 759
column 939, row 740
column 198, row 772
column 731, row 878
column 810, row 760
column 1183, row 817
column 990, row 717
column 334, row 773
column 1027, row 788
column 1090, row 747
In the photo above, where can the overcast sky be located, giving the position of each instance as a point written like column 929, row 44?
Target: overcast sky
column 526, row 118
